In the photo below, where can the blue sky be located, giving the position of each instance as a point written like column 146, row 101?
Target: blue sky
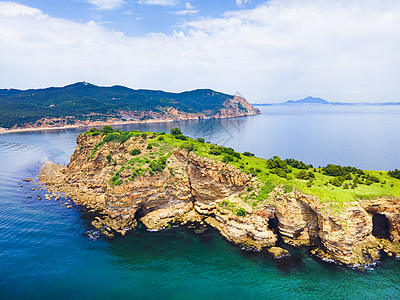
column 269, row 51
column 138, row 17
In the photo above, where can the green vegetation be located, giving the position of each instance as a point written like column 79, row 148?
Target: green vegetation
column 332, row 183
column 176, row 131
column 84, row 101
column 248, row 153
column 394, row 174
column 241, row 212
column 135, row 152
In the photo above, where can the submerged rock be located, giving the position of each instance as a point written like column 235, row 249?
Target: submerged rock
column 278, row 252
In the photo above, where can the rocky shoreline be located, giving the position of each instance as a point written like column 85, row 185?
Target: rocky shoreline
column 193, row 188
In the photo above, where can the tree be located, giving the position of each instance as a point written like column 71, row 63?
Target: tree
column 107, row 129
column 176, row 131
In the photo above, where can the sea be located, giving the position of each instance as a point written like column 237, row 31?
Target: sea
column 50, row 252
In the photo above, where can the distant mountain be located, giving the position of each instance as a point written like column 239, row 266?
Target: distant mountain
column 308, row 100
column 320, row 101
column 85, row 103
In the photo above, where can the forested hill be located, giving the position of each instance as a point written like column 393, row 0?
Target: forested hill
column 87, row 102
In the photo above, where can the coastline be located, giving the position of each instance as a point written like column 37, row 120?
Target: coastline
column 148, row 121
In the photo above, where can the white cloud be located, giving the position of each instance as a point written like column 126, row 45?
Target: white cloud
column 186, row 12
column 241, row 3
column 285, row 49
column 12, row 9
column 188, row 5
column 106, row 4
column 159, row 2
column 190, row 10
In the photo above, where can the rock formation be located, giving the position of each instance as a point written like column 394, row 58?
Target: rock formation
column 193, row 188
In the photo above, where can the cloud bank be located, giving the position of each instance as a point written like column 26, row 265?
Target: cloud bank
column 284, row 49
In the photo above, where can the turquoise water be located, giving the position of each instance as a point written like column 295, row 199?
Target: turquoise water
column 45, row 251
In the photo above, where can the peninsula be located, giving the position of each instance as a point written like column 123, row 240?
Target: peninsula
column 344, row 214
column 85, row 104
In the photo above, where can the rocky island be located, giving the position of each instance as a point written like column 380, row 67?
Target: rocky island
column 344, row 214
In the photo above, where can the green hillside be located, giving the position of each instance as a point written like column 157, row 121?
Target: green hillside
column 19, row 107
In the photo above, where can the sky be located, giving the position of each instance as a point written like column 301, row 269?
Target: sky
column 269, row 51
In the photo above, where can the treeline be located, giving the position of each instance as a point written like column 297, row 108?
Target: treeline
column 394, row 174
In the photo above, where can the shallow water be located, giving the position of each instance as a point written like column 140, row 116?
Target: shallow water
column 45, row 251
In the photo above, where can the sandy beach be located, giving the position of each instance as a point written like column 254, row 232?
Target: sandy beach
column 94, row 124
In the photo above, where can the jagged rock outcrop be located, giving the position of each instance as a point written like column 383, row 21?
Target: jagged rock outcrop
column 193, row 188
column 188, row 189
column 344, row 236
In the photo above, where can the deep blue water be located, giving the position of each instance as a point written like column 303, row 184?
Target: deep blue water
column 46, row 253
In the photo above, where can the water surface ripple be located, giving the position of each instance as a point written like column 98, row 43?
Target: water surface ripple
column 45, row 252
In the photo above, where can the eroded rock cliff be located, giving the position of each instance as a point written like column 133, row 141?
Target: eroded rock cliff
column 165, row 185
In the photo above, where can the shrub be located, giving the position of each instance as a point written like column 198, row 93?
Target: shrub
column 297, row 164
column 109, row 158
column 246, row 153
column 394, row 174
column 115, row 180
column 201, row 140
column 136, row 173
column 149, row 146
column 277, row 163
column 181, row 137
column 337, row 170
column 107, row 129
column 214, row 151
column 188, row 147
column 93, row 132
column 303, row 174
column 241, row 212
column 280, row 172
column 160, row 138
column 134, row 152
column 158, row 165
column 227, row 158
column 373, row 178
column 218, row 150
column 337, row 181
column 176, row 131
column 121, row 137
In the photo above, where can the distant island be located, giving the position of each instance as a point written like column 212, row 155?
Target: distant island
column 320, row 101
column 85, row 104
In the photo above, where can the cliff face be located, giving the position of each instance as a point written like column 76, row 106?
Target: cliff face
column 193, row 188
column 236, row 107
